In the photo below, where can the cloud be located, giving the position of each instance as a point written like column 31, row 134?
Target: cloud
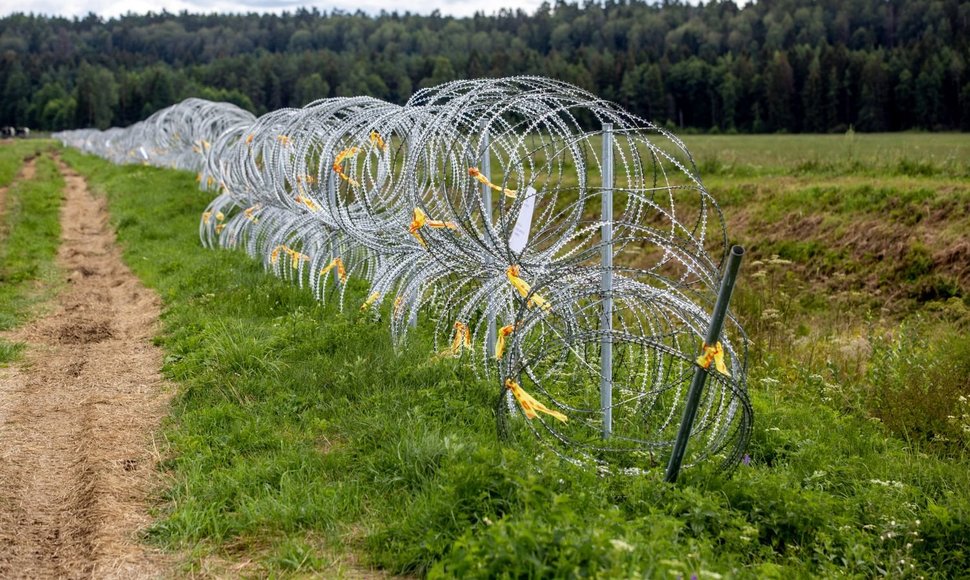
column 109, row 8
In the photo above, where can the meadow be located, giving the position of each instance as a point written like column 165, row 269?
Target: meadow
column 301, row 441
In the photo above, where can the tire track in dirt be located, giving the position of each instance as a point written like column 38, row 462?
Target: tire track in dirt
column 77, row 416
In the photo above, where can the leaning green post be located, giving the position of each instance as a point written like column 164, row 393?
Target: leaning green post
column 700, row 373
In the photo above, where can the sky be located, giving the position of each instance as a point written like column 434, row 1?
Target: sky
column 107, row 8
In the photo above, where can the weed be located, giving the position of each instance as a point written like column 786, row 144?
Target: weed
column 918, row 386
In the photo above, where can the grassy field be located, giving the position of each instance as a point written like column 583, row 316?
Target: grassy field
column 881, row 154
column 301, row 442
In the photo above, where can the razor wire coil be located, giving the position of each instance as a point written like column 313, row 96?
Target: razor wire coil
column 399, row 196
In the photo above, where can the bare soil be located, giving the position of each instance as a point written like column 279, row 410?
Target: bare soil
column 29, row 169
column 77, row 416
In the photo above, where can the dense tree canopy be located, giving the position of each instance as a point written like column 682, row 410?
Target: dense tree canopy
column 773, row 65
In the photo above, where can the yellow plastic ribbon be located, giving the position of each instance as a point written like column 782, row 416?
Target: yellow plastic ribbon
column 249, row 139
column 308, row 179
column 474, row 172
column 284, row 140
column 338, row 168
column 219, row 228
column 530, row 406
column 309, row 203
column 295, row 256
column 339, row 265
column 370, row 301
column 250, row 213
column 713, row 354
column 503, row 333
column 512, row 273
column 344, row 154
column 207, row 216
column 421, row 219
column 462, row 340
column 376, row 139
column 398, row 303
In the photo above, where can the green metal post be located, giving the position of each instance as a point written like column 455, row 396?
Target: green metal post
column 700, row 374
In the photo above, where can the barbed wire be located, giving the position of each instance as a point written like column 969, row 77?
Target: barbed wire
column 479, row 205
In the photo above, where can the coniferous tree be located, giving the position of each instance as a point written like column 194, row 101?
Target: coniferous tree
column 96, row 96
column 781, row 92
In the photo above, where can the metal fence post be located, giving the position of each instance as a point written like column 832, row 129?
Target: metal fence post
column 332, row 200
column 606, row 284
column 700, row 373
column 486, row 169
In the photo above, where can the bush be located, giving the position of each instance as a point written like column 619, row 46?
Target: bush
column 916, row 382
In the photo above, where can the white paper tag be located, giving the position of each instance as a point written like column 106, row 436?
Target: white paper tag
column 523, row 224
column 143, row 152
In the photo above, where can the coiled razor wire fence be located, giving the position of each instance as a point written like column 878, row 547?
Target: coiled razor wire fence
column 565, row 247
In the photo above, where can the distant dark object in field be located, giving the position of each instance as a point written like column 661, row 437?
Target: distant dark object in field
column 9, row 132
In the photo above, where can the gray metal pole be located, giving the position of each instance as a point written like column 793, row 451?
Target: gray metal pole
column 700, row 374
column 486, row 170
column 606, row 284
column 332, row 199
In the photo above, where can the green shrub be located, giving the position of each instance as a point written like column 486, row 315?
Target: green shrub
column 915, row 382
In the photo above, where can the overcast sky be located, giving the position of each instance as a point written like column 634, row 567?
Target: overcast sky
column 118, row 7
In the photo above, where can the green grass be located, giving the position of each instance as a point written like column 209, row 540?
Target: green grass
column 879, row 154
column 299, row 434
column 9, row 351
column 12, row 157
column 872, row 222
column 31, row 234
column 11, row 160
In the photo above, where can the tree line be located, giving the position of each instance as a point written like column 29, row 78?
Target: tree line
column 767, row 66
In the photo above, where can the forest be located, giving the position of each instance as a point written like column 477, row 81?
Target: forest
column 795, row 66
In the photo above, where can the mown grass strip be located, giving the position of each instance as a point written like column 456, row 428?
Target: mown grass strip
column 299, row 433
column 28, row 272
column 12, row 157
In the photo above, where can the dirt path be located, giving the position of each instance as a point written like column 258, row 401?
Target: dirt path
column 77, row 416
